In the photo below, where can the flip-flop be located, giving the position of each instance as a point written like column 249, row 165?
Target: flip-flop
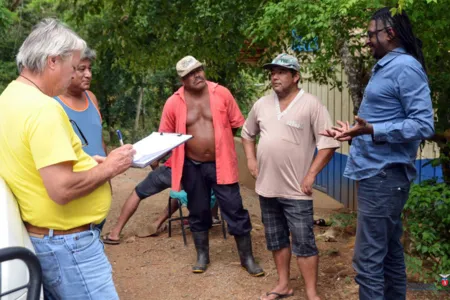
column 278, row 295
column 216, row 221
column 320, row 222
column 109, row 241
column 186, row 224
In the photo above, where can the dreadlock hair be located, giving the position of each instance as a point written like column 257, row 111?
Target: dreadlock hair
column 402, row 26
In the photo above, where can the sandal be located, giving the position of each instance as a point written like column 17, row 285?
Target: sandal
column 216, row 221
column 278, row 295
column 320, row 222
column 186, row 224
column 107, row 240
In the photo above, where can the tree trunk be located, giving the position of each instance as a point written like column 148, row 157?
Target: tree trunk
column 14, row 5
column 138, row 108
column 356, row 73
column 143, row 115
column 445, row 152
column 106, row 115
column 444, row 149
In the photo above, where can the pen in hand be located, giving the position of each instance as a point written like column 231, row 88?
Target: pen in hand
column 119, row 135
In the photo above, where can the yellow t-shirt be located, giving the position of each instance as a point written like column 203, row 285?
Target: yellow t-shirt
column 35, row 132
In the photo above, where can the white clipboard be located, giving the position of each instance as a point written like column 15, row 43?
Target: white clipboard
column 156, row 146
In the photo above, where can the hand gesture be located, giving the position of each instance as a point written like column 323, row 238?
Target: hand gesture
column 345, row 133
column 252, row 166
column 120, row 159
column 336, row 131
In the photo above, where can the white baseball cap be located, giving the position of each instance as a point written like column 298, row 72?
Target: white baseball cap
column 186, row 65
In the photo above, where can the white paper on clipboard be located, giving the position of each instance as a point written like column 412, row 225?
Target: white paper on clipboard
column 155, row 146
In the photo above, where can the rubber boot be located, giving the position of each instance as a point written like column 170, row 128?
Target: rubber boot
column 244, row 245
column 201, row 241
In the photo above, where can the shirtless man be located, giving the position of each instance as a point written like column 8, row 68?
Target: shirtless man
column 209, row 112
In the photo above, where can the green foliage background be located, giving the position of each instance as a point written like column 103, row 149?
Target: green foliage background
column 427, row 226
column 139, row 42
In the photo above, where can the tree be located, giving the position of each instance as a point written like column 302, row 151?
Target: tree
column 137, row 41
column 16, row 21
column 431, row 23
column 337, row 27
column 7, row 45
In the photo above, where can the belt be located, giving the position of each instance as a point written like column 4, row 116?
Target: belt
column 45, row 231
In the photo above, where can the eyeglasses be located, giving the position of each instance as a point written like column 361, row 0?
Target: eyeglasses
column 80, row 134
column 370, row 34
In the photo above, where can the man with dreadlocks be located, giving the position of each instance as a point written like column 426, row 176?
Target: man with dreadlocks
column 395, row 115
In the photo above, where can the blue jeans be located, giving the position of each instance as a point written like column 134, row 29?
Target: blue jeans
column 378, row 258
column 74, row 266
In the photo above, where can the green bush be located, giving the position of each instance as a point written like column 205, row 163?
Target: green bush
column 427, row 230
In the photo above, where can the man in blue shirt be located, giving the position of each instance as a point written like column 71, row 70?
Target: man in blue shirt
column 395, row 115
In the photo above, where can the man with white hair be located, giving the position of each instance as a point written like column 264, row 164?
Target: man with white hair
column 62, row 192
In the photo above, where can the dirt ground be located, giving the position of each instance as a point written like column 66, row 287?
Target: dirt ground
column 160, row 267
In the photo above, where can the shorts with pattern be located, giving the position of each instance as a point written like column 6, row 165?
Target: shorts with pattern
column 282, row 217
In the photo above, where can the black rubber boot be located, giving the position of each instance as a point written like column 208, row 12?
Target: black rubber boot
column 244, row 245
column 201, row 241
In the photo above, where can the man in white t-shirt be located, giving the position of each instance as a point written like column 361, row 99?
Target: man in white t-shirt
column 288, row 121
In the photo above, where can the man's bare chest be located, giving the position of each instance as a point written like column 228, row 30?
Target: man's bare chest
column 198, row 110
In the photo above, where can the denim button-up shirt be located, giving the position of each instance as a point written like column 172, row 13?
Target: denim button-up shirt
column 397, row 103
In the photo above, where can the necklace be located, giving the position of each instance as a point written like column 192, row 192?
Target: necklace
column 32, row 83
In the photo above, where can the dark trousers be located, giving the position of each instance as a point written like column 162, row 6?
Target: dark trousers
column 378, row 257
column 198, row 180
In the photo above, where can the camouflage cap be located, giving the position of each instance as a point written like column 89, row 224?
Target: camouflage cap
column 284, row 60
column 186, row 65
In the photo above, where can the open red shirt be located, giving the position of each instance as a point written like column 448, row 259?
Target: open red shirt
column 168, row 162
column 225, row 114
